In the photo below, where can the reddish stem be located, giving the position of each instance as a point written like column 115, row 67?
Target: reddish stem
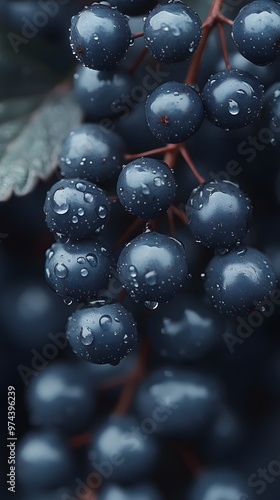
column 170, row 216
column 190, row 459
column 130, row 230
column 181, row 215
column 141, row 56
column 80, row 440
column 189, row 161
column 137, row 35
column 164, row 149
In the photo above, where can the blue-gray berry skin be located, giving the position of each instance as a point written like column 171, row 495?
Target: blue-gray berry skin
column 121, row 436
column 93, row 153
column 227, row 484
column 99, row 37
column 102, row 335
column 142, row 491
column 152, row 267
column 99, row 93
column 255, row 31
column 174, row 112
column 146, row 187
column 78, row 269
column 219, row 214
column 188, row 398
column 172, row 32
column 232, row 99
column 76, row 208
column 239, row 281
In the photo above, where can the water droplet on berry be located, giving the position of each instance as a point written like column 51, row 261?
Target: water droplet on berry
column 145, row 189
column 102, row 211
column 81, row 260
column 80, row 186
column 84, row 272
column 92, row 259
column 88, row 197
column 105, row 322
column 68, row 301
column 151, row 304
column 60, row 204
column 132, row 271
column 158, row 181
column 61, row 271
column 86, row 336
column 75, row 219
column 233, row 107
column 81, row 211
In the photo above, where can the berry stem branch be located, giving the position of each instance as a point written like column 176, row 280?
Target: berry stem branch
column 189, row 161
column 164, row 149
column 223, row 44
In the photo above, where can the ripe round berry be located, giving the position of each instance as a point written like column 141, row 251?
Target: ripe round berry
column 61, row 396
column 143, row 491
column 92, row 152
column 121, row 436
column 174, row 112
column 152, row 267
column 219, row 214
column 239, row 281
column 99, row 37
column 78, row 269
column 99, row 93
column 232, row 99
column 256, row 29
column 224, row 484
column 172, row 32
column 76, row 208
column 102, row 334
column 146, row 187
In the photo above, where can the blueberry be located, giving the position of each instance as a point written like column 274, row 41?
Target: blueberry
column 232, row 99
column 130, row 452
column 219, row 214
column 93, row 153
column 255, row 31
column 220, row 484
column 174, row 112
column 172, row 32
column 62, row 397
column 143, row 491
column 239, row 280
column 152, row 267
column 102, row 334
column 99, row 37
column 76, row 208
column 146, row 187
column 78, row 270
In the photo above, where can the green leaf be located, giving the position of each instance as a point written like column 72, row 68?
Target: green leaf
column 31, row 132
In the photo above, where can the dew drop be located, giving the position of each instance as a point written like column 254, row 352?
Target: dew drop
column 68, row 301
column 125, row 337
column 102, row 211
column 81, row 211
column 84, row 272
column 80, row 186
column 81, row 260
column 61, row 271
column 105, row 322
column 60, row 204
column 75, row 219
column 86, row 336
column 233, row 107
column 132, row 271
column 151, row 304
column 151, row 278
column 158, row 181
column 145, row 189
column 92, row 259
column 50, row 254
column 88, row 197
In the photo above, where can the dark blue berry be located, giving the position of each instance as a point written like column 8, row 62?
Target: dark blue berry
column 172, row 32
column 271, row 114
column 78, row 270
column 93, row 153
column 219, row 214
column 256, row 29
column 143, row 491
column 181, row 401
column 76, row 208
column 232, row 99
column 152, row 267
column 123, row 444
column 221, row 484
column 102, row 334
column 174, row 112
column 185, row 329
column 43, row 461
column 146, row 187
column 239, row 280
column 99, row 93
column 99, row 37
column 61, row 396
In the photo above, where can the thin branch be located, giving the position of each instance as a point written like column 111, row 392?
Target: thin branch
column 224, row 44
column 164, row 149
column 141, row 56
column 190, row 163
